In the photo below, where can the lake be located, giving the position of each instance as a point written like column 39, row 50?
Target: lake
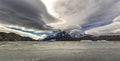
column 59, row 51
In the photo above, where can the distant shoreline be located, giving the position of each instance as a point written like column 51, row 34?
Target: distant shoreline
column 15, row 37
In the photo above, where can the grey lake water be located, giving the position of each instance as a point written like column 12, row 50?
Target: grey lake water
column 59, row 51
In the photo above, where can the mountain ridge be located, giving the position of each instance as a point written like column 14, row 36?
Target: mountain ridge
column 13, row 37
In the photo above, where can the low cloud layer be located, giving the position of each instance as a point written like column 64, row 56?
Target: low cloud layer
column 112, row 28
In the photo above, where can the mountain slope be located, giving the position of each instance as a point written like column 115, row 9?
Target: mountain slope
column 13, row 37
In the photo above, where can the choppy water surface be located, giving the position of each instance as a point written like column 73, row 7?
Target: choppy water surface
column 59, row 51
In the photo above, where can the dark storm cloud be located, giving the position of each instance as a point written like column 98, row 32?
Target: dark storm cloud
column 25, row 13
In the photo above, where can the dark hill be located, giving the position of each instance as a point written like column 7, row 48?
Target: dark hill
column 13, row 37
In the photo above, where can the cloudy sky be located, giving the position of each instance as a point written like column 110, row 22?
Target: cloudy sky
column 25, row 13
column 93, row 16
column 101, row 16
